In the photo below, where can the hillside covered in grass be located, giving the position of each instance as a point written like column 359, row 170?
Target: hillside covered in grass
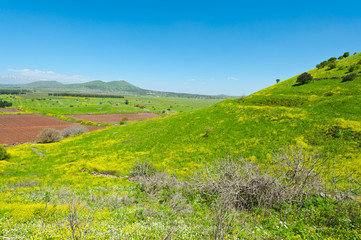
column 319, row 122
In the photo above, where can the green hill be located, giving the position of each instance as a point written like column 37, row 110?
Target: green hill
column 97, row 86
column 120, row 87
column 44, row 84
column 321, row 118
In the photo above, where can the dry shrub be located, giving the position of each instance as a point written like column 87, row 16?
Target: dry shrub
column 74, row 130
column 240, row 184
column 244, row 185
column 143, row 168
column 49, row 135
column 300, row 170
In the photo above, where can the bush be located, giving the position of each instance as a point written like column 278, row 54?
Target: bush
column 346, row 54
column 353, row 68
column 244, row 185
column 331, row 60
column 332, row 66
column 143, row 169
column 4, row 104
column 349, row 77
column 322, row 64
column 74, row 130
column 3, row 154
column 304, row 78
column 49, row 135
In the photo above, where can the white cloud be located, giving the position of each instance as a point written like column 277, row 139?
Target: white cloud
column 30, row 75
column 232, row 78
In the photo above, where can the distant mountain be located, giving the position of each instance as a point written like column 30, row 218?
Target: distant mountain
column 43, row 84
column 97, row 86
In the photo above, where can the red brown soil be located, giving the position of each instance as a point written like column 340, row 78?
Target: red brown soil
column 25, row 127
column 111, row 118
column 9, row 110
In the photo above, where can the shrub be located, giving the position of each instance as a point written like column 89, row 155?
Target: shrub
column 244, row 185
column 304, row 78
column 3, row 154
column 349, row 77
column 332, row 66
column 4, row 104
column 143, row 169
column 49, row 135
column 340, row 57
column 351, row 69
column 346, row 54
column 125, row 119
column 322, row 64
column 331, row 60
column 74, row 130
column 208, row 130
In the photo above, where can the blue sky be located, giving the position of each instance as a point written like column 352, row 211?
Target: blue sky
column 206, row 47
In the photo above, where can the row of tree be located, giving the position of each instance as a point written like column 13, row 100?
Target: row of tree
column 85, row 95
column 14, row 91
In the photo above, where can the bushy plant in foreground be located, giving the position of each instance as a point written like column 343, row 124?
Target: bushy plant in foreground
column 3, row 154
column 49, row 135
column 74, row 130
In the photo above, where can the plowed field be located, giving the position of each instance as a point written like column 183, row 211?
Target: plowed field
column 26, row 127
column 111, row 118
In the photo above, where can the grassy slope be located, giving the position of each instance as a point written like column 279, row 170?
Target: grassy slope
column 280, row 115
column 321, row 116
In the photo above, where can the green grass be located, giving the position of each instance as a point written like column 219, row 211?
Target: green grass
column 322, row 116
column 42, row 103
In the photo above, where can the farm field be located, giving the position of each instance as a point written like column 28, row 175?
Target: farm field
column 6, row 110
column 25, row 127
column 282, row 163
column 55, row 112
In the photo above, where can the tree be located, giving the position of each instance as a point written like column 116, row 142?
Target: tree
column 278, row 80
column 4, row 104
column 346, row 54
column 304, row 78
column 322, row 64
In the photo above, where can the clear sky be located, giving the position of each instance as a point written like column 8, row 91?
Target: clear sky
column 206, row 47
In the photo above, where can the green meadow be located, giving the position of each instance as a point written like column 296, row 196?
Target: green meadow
column 282, row 163
column 42, row 103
